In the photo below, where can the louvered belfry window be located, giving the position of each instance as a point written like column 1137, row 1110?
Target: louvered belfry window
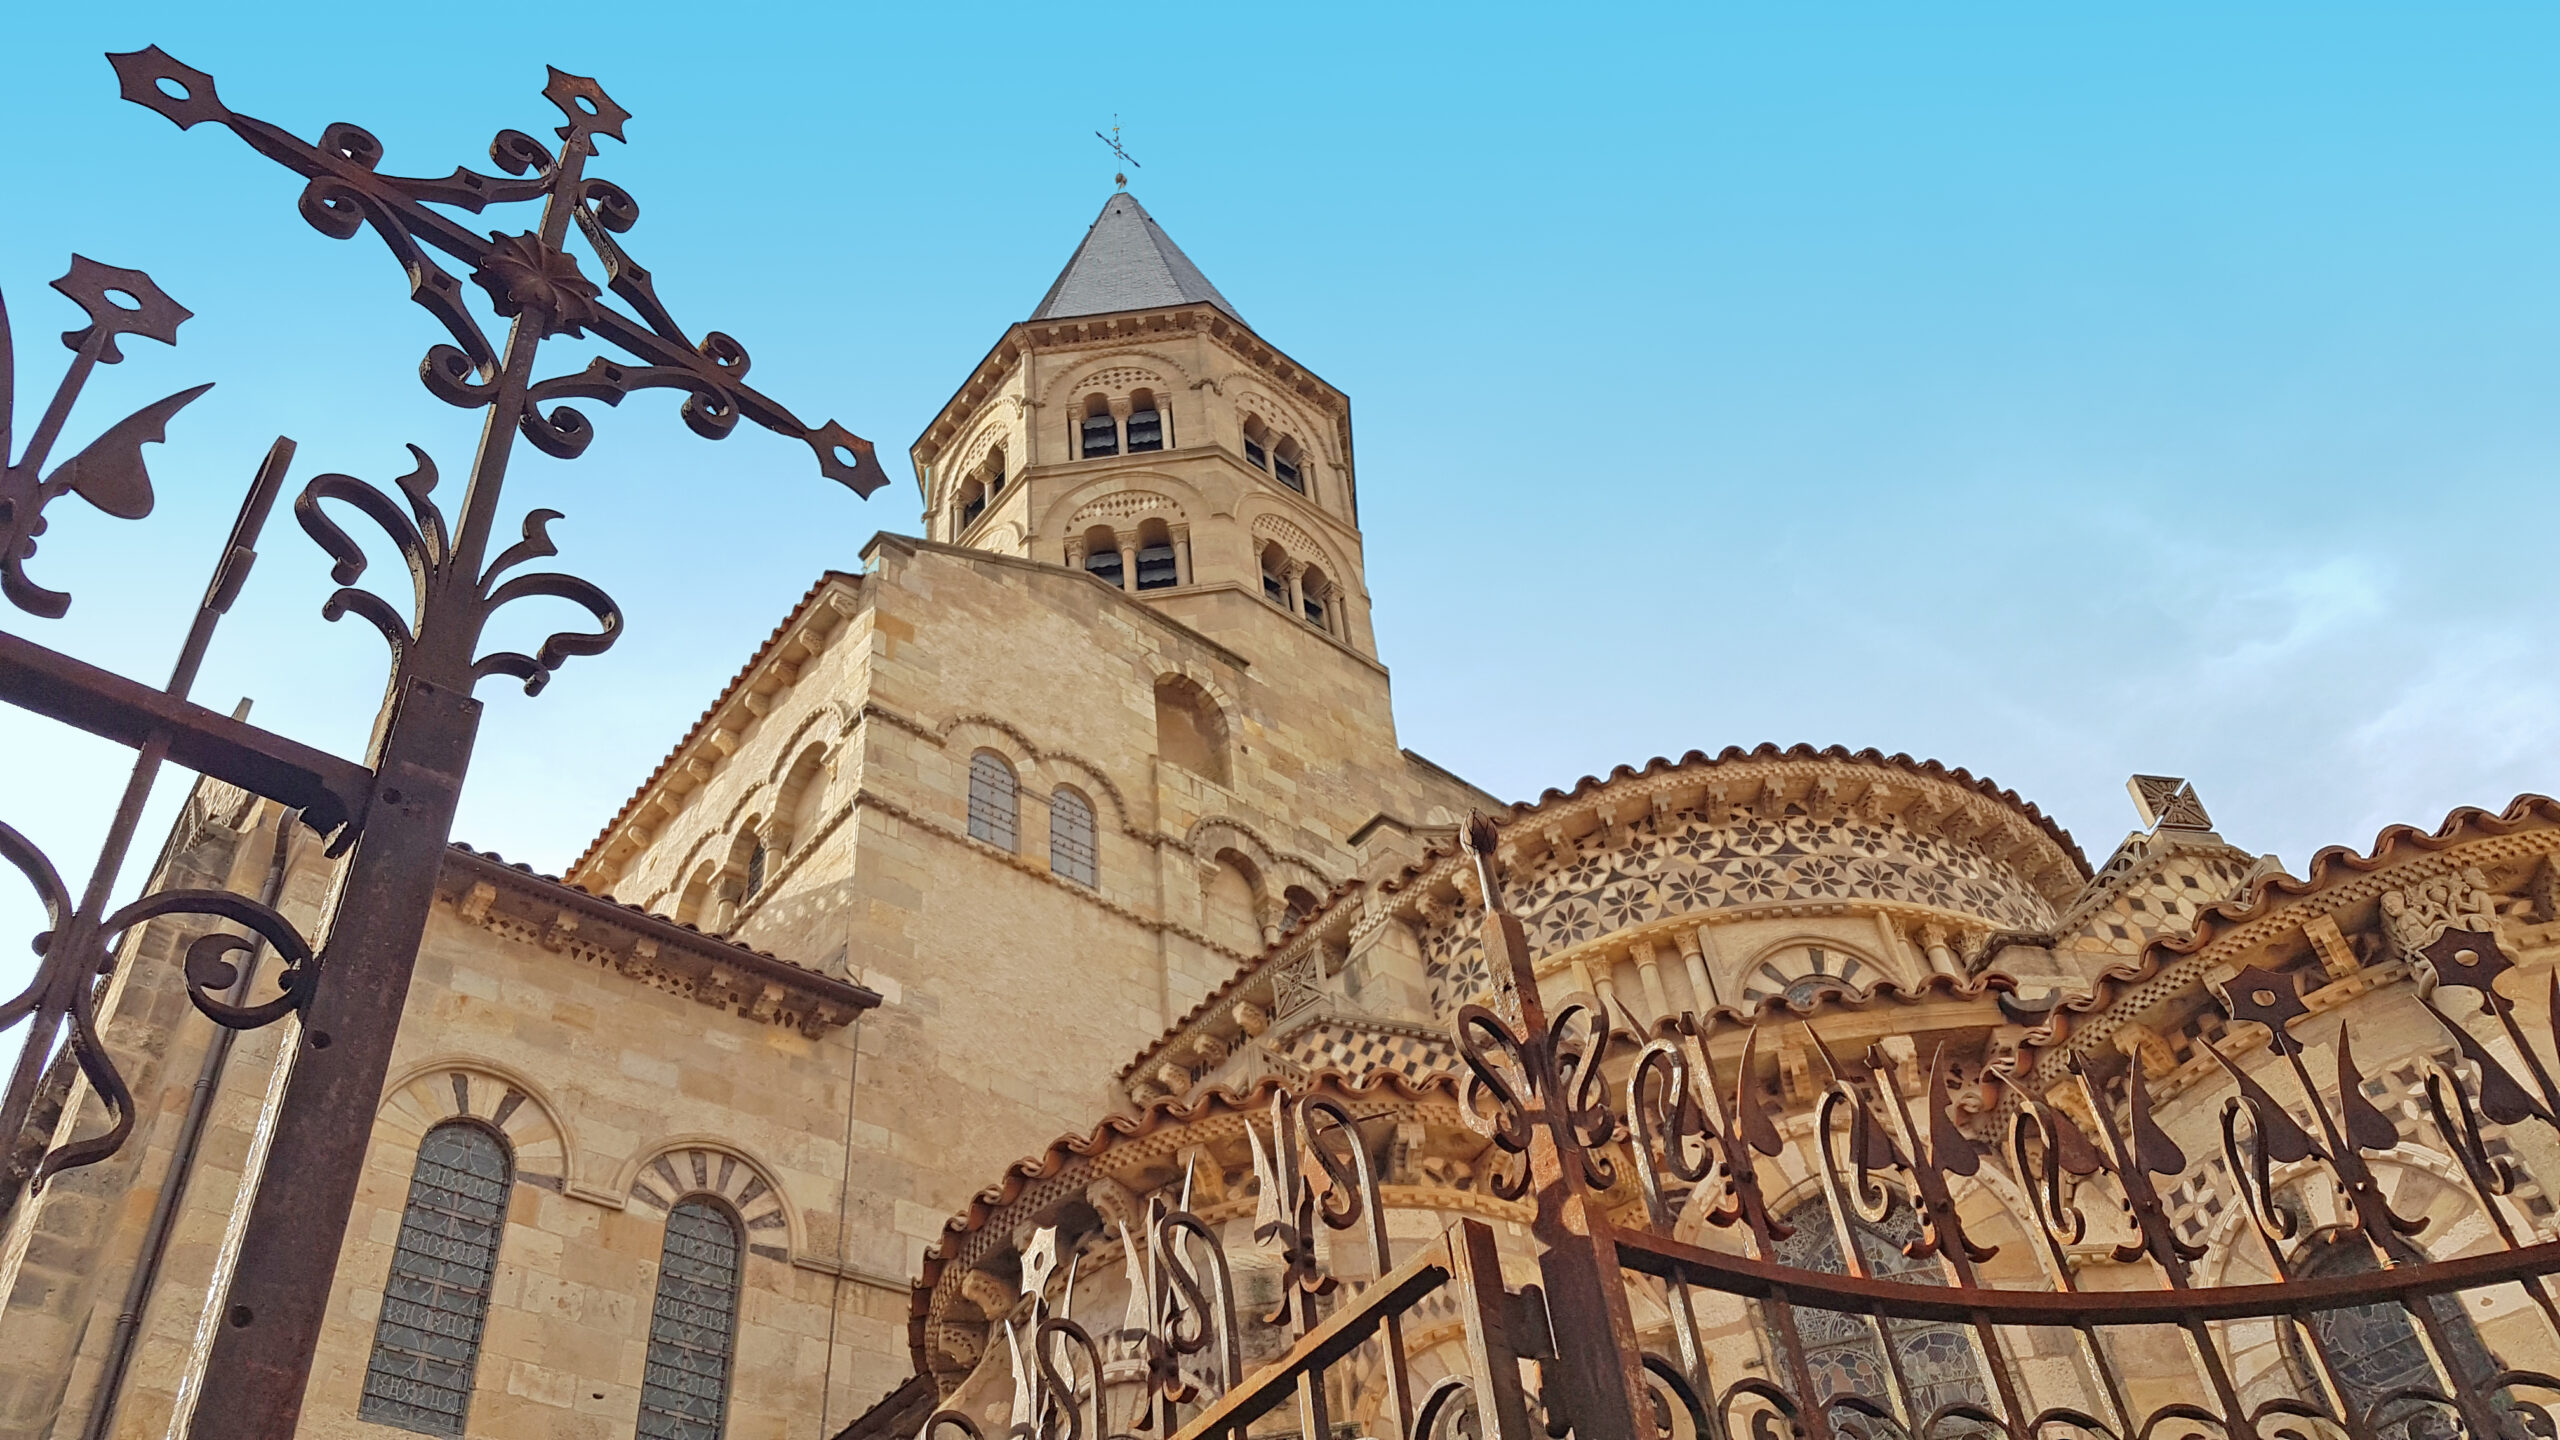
column 995, row 806
column 1101, row 436
column 427, row 1342
column 1146, row 430
column 1071, row 849
column 685, row 1391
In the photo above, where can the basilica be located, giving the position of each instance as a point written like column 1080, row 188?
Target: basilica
column 1032, row 853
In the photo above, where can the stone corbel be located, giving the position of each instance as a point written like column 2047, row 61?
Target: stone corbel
column 1252, row 1019
column 474, row 905
column 994, row 1296
column 2337, row 957
column 2143, row 1044
column 562, row 929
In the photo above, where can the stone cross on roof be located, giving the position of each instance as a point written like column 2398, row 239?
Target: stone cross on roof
column 2168, row 802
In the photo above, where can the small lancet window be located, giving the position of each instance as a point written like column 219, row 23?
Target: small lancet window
column 995, row 801
column 1100, row 434
column 1071, row 848
column 755, row 870
column 1146, row 423
column 427, row 1342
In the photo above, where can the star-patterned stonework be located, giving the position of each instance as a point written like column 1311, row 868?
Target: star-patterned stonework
column 1687, row 864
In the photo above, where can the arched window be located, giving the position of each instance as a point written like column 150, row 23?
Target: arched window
column 755, row 871
column 427, row 1342
column 1190, row 730
column 695, row 896
column 1312, row 594
column 1157, row 569
column 1071, row 848
column 995, row 801
column 1275, row 575
column 973, row 503
column 1102, row 557
column 1146, row 423
column 1300, row 901
column 2375, row 1349
column 1257, row 444
column 684, row 1392
column 1937, row 1357
column 804, row 800
column 1285, row 467
column 1098, row 434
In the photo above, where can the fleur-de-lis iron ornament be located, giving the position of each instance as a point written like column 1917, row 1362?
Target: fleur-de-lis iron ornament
column 528, row 276
column 108, row 472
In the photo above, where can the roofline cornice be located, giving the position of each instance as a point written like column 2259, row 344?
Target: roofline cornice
column 653, row 948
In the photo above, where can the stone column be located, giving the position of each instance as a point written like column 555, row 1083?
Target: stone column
column 1075, row 552
column 1942, row 959
column 1128, row 562
column 1649, row 969
column 1710, row 961
column 1181, row 550
column 1702, row 989
column 1296, row 571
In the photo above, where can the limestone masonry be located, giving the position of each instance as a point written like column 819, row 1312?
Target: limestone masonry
column 1083, row 814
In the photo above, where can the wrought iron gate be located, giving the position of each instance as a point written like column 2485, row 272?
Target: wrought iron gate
column 1575, row 1102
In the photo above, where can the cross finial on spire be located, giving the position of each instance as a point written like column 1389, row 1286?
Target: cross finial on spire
column 1113, row 140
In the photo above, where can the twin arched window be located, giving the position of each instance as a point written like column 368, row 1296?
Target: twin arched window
column 1098, row 431
column 995, row 816
column 1280, row 454
column 980, row 490
column 426, row 1344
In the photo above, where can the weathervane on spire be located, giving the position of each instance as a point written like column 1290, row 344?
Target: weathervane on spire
column 1113, row 140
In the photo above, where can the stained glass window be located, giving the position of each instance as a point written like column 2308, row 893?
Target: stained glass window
column 427, row 1342
column 2376, row 1349
column 1071, row 852
column 685, row 1390
column 1938, row 1358
column 995, row 804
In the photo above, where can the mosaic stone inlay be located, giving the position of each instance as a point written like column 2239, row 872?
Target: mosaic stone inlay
column 1692, row 865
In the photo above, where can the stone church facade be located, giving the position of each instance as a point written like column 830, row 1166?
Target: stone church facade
column 1082, row 814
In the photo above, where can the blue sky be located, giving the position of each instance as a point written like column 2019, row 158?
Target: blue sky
column 2056, row 392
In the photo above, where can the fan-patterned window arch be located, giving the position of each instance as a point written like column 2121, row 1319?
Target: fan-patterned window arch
column 1071, row 848
column 995, row 801
column 684, row 1392
column 427, row 1342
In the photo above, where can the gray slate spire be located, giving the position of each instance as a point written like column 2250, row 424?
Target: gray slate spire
column 1127, row 262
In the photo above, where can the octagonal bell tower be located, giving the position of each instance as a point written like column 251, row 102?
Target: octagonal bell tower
column 1137, row 429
